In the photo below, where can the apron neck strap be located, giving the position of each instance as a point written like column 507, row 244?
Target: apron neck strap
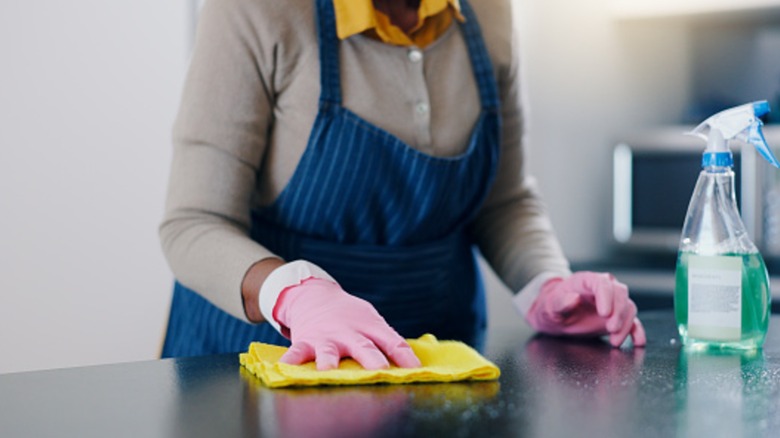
column 480, row 58
column 330, row 75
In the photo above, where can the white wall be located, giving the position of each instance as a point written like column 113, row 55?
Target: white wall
column 589, row 78
column 88, row 92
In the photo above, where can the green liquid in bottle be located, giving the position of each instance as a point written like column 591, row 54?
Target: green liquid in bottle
column 756, row 300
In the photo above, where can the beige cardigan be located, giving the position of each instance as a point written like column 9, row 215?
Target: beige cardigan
column 250, row 99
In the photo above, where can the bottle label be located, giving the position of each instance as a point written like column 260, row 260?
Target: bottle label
column 715, row 297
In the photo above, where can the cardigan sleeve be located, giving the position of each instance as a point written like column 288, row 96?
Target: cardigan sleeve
column 512, row 229
column 219, row 139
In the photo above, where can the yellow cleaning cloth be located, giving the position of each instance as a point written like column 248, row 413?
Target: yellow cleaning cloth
column 442, row 361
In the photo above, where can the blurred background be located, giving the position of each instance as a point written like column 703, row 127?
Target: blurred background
column 89, row 90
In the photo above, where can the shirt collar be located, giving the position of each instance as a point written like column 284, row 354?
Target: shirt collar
column 357, row 16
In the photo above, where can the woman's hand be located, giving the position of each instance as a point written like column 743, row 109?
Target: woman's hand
column 587, row 303
column 326, row 324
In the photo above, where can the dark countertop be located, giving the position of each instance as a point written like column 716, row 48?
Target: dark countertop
column 548, row 387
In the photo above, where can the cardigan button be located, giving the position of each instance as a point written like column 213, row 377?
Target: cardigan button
column 415, row 55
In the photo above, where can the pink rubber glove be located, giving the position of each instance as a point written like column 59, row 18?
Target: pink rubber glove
column 326, row 324
column 587, row 303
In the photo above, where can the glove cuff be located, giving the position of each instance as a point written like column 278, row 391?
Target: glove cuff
column 289, row 274
column 524, row 299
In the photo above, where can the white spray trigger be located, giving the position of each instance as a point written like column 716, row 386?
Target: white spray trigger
column 740, row 122
column 755, row 136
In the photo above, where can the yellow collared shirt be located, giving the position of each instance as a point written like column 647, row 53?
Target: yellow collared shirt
column 359, row 16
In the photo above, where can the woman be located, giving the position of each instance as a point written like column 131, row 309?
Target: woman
column 335, row 164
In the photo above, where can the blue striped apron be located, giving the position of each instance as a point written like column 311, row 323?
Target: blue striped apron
column 388, row 222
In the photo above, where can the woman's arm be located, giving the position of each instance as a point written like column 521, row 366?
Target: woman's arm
column 220, row 138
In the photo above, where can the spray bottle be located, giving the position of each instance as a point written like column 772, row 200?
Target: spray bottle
column 722, row 298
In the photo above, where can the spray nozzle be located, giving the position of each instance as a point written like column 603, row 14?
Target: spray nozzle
column 760, row 108
column 740, row 122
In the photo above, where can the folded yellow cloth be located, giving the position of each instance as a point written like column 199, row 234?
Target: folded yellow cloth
column 442, row 361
